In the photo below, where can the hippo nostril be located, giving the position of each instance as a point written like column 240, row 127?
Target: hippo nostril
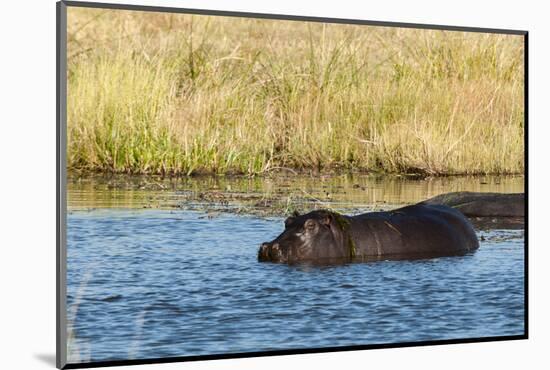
column 264, row 249
column 270, row 252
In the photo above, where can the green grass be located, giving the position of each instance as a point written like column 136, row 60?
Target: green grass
column 181, row 94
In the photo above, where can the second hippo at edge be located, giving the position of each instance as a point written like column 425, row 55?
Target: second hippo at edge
column 473, row 204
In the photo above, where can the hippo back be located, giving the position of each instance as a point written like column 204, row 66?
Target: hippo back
column 423, row 230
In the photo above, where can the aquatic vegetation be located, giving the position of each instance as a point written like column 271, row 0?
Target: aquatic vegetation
column 178, row 94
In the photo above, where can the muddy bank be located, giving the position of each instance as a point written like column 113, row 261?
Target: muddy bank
column 272, row 196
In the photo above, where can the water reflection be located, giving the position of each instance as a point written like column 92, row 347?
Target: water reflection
column 340, row 192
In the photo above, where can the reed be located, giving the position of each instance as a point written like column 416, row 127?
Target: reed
column 182, row 94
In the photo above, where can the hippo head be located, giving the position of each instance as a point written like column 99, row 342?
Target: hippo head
column 316, row 236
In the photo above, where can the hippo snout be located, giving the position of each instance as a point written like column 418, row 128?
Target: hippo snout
column 269, row 252
column 263, row 253
column 264, row 249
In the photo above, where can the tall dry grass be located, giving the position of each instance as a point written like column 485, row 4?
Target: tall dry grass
column 182, row 94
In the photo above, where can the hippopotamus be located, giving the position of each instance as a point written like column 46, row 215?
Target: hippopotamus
column 486, row 210
column 473, row 204
column 416, row 231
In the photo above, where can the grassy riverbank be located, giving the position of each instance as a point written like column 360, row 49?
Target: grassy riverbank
column 167, row 93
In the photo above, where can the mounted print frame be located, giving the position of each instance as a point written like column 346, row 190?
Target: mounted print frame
column 236, row 184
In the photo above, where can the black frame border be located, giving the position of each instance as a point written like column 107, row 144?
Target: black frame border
column 61, row 186
column 61, row 175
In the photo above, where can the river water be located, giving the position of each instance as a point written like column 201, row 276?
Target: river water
column 162, row 268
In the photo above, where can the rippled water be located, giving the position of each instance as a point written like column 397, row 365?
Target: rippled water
column 158, row 282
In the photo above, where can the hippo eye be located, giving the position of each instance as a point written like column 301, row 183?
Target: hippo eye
column 309, row 225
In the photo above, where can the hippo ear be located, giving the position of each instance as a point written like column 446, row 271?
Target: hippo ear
column 289, row 221
column 295, row 214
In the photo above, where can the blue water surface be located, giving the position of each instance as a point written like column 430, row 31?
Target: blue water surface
column 160, row 283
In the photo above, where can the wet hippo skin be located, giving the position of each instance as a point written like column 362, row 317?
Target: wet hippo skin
column 473, row 204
